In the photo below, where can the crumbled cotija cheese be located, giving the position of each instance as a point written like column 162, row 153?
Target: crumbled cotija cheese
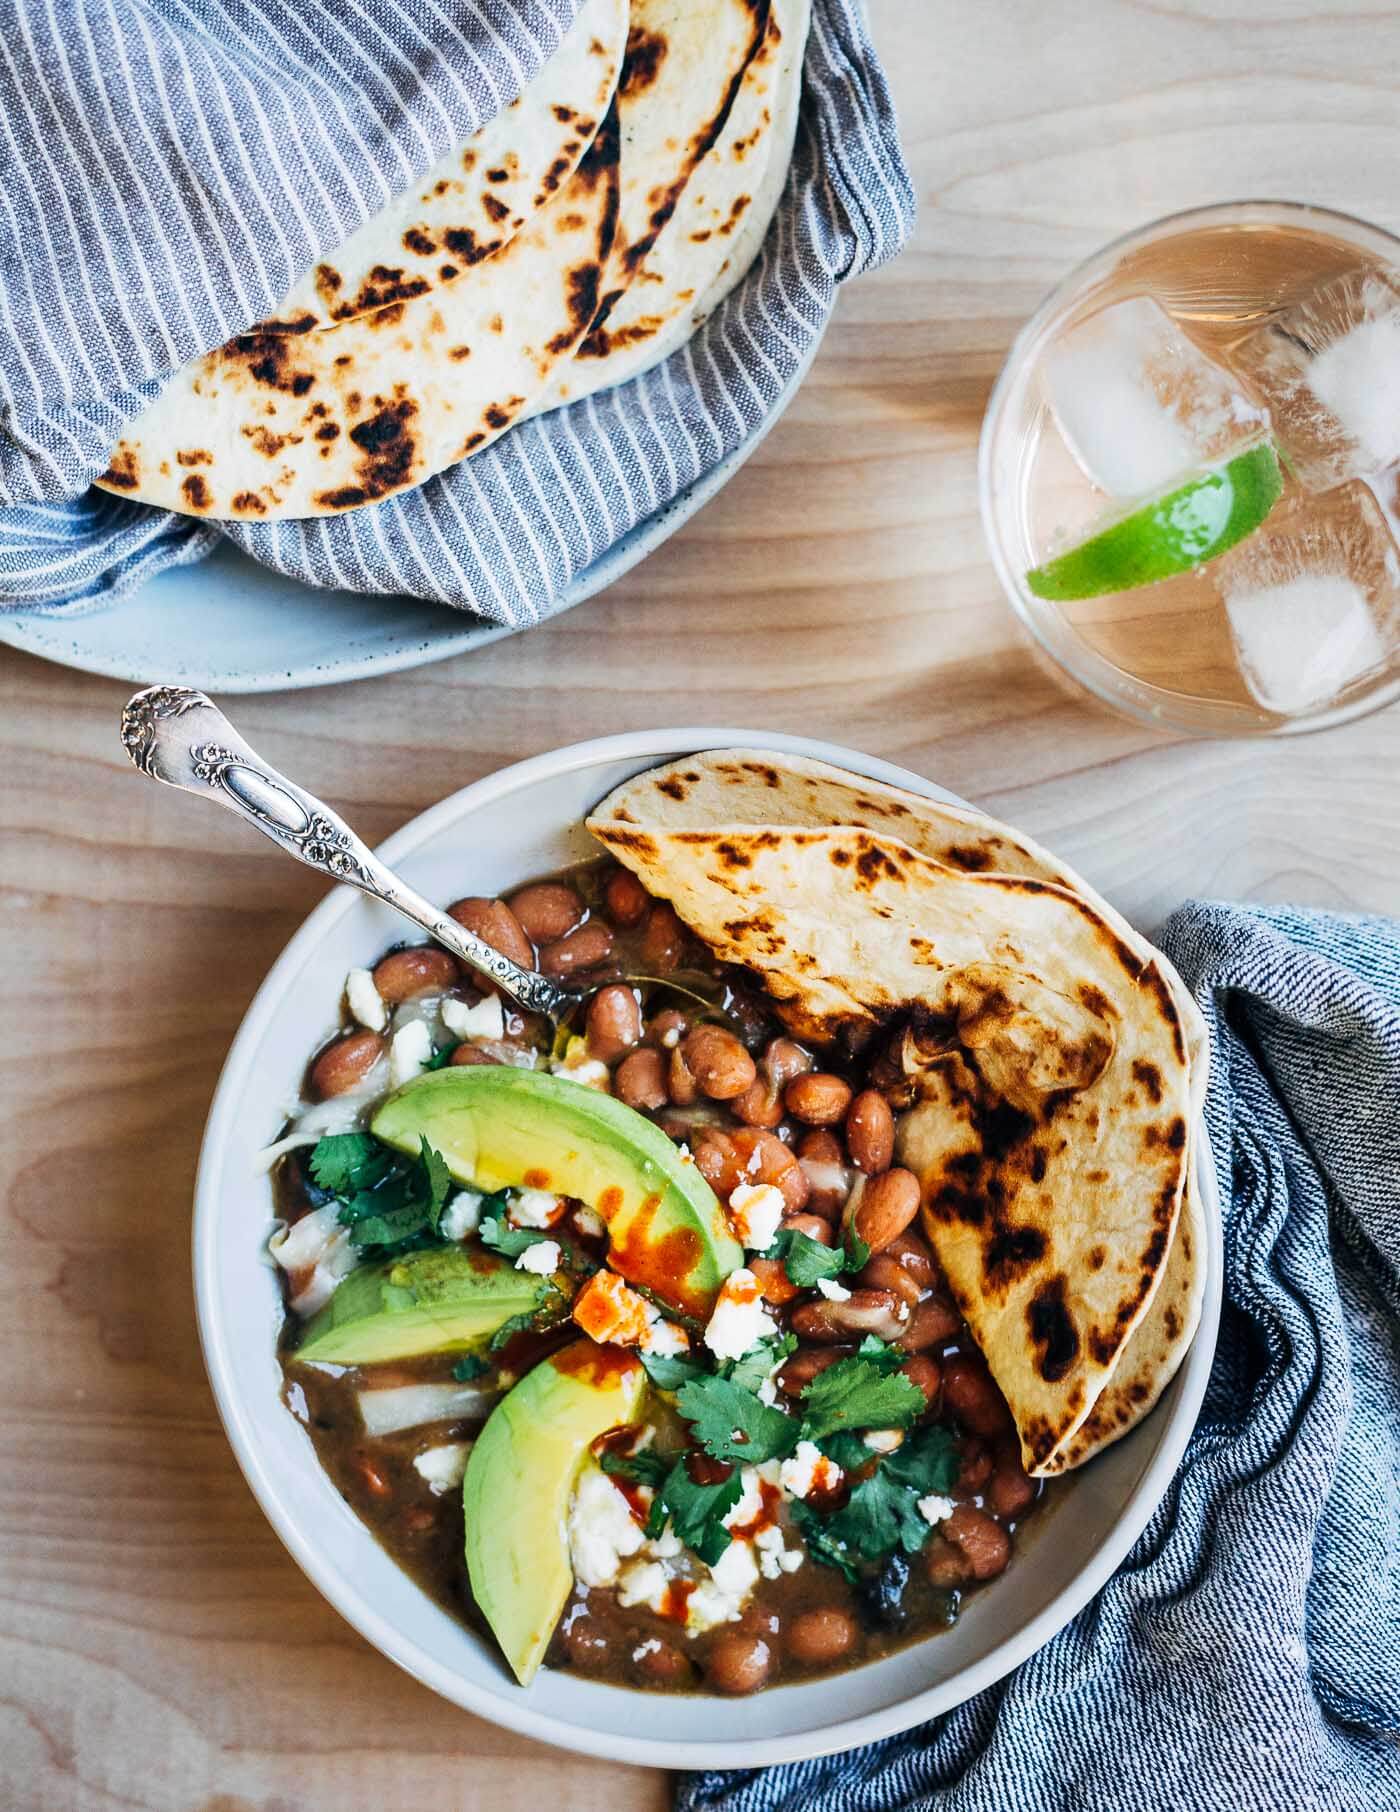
column 755, row 1212
column 542, row 1258
column 364, row 1000
column 740, row 1320
column 483, row 1022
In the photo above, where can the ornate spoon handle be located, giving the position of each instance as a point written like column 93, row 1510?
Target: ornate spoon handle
column 179, row 736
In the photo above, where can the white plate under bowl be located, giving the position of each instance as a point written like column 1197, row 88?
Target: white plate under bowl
column 523, row 821
column 229, row 624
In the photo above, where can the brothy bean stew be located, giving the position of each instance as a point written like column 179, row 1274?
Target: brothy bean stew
column 624, row 1340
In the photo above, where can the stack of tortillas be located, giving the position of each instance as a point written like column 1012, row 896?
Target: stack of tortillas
column 577, row 239
column 1050, row 1062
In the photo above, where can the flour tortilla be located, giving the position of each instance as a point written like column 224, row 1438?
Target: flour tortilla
column 1051, row 1137
column 474, row 202
column 760, row 787
column 279, row 425
column 717, row 229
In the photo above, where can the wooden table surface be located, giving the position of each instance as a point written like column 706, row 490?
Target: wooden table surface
column 158, row 1649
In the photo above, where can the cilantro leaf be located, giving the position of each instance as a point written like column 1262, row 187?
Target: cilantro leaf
column 760, row 1360
column 857, row 1252
column 436, row 1181
column 805, row 1259
column 469, row 1367
column 442, row 1056
column 346, row 1162
column 884, row 1357
column 697, row 1512
column 731, row 1423
column 509, row 1241
column 669, row 1371
column 513, row 1325
column 822, row 1544
column 926, row 1464
column 859, row 1392
column 847, row 1450
column 644, row 1468
column 879, row 1516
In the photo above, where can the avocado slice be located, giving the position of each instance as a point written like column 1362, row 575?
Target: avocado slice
column 519, row 1483
column 504, row 1128
column 441, row 1301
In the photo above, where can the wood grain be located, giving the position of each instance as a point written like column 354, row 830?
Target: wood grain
column 158, row 1650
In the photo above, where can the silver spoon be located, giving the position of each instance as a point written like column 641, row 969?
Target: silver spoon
column 178, row 736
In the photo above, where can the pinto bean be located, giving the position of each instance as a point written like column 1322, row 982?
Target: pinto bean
column 784, row 1060
column 587, row 1643
column 662, row 1663
column 1010, row 1491
column 625, row 900
column 680, row 1084
column 663, row 941
column 945, row 1563
column 739, row 1662
column 807, row 1363
column 640, row 1080
column 470, row 1053
column 774, row 1284
column 821, row 1146
column 932, row 1323
column 821, row 1636
column 884, row 1273
column 345, row 1064
column 546, row 911
column 719, row 1063
column 970, row 1396
column 985, row 1544
column 404, row 974
column 759, row 1105
column 495, row 924
column 614, row 1022
column 818, row 1098
column 975, row 1467
column 763, row 1158
column 667, row 1028
column 866, row 1312
column 911, row 1250
column 887, row 1205
column 927, row 1374
column 585, row 948
column 870, row 1132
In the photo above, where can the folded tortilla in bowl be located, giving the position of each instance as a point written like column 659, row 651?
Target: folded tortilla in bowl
column 1046, row 1064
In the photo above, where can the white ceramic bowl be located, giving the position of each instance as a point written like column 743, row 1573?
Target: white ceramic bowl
column 524, row 821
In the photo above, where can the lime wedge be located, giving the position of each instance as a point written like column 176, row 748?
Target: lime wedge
column 1180, row 530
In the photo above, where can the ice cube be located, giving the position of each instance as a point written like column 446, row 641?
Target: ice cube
column 1139, row 404
column 1329, row 370
column 1313, row 598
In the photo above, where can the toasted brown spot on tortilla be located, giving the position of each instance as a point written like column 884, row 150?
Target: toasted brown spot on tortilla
column 125, row 469
column 197, row 493
column 249, row 503
column 194, row 456
column 495, row 207
column 328, row 431
column 1150, row 1077
column 459, row 352
column 497, row 417
column 447, row 272
column 463, row 243
column 420, row 241
column 268, row 357
column 328, row 279
column 646, row 52
column 1096, row 1258
column 1010, row 1251
column 1052, row 1330
column 841, row 858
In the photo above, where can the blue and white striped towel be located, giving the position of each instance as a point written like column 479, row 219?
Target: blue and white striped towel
column 168, row 170
column 1246, row 1658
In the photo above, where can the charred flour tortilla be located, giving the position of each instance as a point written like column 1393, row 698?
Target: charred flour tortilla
column 278, row 425
column 1051, row 1134
column 752, row 786
column 716, row 230
column 474, row 202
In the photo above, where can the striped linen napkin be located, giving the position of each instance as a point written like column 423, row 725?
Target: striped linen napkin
column 166, row 173
column 1246, row 1657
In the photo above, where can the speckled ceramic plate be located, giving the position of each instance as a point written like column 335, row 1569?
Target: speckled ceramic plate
column 229, row 625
